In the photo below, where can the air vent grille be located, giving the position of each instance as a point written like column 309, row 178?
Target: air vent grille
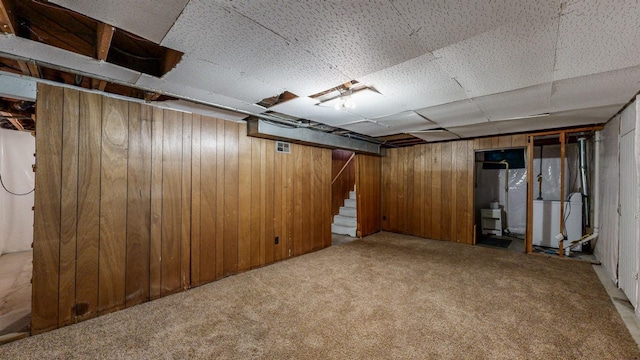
column 283, row 147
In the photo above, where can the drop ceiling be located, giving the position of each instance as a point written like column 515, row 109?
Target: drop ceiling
column 434, row 70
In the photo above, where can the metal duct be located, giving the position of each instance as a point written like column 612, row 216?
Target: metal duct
column 263, row 129
column 584, row 183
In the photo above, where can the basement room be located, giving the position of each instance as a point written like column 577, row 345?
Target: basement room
column 319, row 179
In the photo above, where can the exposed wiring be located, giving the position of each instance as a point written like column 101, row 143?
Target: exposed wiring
column 11, row 192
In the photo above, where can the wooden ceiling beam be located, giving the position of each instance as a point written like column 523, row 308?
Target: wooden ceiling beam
column 171, row 59
column 7, row 21
column 151, row 96
column 6, row 17
column 104, row 35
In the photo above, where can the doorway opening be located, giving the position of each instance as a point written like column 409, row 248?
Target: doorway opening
column 501, row 198
column 17, row 148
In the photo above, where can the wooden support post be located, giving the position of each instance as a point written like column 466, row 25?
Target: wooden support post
column 528, row 243
column 563, row 137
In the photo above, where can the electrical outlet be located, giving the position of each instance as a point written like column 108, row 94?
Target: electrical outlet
column 277, row 240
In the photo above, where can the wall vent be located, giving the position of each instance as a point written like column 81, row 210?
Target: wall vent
column 283, row 147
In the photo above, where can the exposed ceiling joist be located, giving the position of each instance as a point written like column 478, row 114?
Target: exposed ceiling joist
column 7, row 26
column 104, row 35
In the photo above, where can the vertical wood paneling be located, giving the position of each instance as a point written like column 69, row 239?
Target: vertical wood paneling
column 470, row 198
column 519, row 140
column 269, row 180
column 196, row 199
column 411, row 203
column 69, row 206
column 245, row 200
column 208, row 200
column 460, row 225
column 171, row 204
column 88, row 240
column 369, row 191
column 436, row 190
column 504, row 141
column 257, row 203
column 231, row 171
column 135, row 202
column 219, row 237
column 427, row 186
column 326, row 200
column 138, row 204
column 446, row 204
column 155, row 244
column 113, row 205
column 46, row 238
column 185, row 237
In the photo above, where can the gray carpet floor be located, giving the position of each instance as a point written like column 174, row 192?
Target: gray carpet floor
column 384, row 297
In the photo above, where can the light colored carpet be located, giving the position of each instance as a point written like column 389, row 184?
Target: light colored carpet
column 387, row 297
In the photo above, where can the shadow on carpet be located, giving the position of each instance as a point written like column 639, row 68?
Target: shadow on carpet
column 496, row 242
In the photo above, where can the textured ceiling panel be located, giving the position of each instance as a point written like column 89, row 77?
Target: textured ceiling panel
column 514, row 56
column 218, row 79
column 559, row 120
column 439, row 23
column 206, row 30
column 417, row 83
column 145, row 18
column 435, row 136
column 16, row 87
column 614, row 87
column 475, row 130
column 202, row 96
column 65, row 59
column 183, row 105
column 454, row 114
column 356, row 37
column 517, row 103
column 368, row 104
column 598, row 36
column 392, row 124
column 307, row 108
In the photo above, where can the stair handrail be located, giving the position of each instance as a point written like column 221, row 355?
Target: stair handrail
column 343, row 167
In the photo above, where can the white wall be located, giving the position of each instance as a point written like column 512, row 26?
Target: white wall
column 16, row 217
column 606, row 246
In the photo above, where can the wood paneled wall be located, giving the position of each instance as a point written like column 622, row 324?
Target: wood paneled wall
column 345, row 182
column 427, row 190
column 135, row 202
column 368, row 182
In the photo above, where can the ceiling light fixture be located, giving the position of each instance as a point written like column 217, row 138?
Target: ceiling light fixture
column 345, row 102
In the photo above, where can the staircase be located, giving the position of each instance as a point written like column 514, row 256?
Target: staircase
column 345, row 222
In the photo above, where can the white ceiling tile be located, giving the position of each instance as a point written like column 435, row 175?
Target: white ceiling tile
column 475, row 130
column 598, row 36
column 609, row 88
column 219, row 79
column 454, row 114
column 183, row 105
column 307, row 108
column 513, row 56
column 46, row 54
column 516, row 103
column 392, row 124
column 356, row 37
column 416, row 83
column 207, row 30
column 559, row 120
column 432, row 136
column 145, row 18
column 202, row 96
column 439, row 23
